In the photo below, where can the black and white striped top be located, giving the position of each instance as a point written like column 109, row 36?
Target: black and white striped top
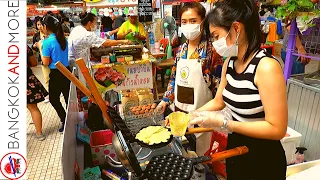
column 241, row 95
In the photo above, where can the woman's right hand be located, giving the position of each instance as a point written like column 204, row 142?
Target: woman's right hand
column 126, row 42
column 303, row 60
column 35, row 45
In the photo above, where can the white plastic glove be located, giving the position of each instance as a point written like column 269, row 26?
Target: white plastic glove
column 161, row 106
column 207, row 119
column 212, row 119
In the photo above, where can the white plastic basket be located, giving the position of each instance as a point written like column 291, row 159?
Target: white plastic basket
column 290, row 143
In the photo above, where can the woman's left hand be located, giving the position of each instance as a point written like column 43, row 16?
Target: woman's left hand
column 206, row 119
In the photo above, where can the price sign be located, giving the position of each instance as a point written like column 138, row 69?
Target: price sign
column 145, row 10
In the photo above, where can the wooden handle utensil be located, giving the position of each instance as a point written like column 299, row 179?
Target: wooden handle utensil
column 227, row 154
column 198, row 130
column 74, row 80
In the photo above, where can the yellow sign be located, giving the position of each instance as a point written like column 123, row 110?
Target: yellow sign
column 91, row 1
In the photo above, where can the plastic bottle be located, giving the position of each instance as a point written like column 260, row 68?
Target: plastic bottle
column 300, row 155
column 151, row 39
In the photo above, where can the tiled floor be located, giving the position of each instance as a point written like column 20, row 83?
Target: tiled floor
column 44, row 157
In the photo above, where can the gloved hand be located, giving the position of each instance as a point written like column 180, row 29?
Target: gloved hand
column 207, row 119
column 161, row 107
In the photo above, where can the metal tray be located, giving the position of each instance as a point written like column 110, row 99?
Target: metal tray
column 313, row 78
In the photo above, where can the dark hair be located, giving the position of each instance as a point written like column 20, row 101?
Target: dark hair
column 54, row 25
column 36, row 19
column 193, row 5
column 86, row 17
column 263, row 6
column 243, row 11
column 106, row 22
column 65, row 19
column 201, row 11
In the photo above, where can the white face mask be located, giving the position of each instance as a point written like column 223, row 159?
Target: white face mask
column 191, row 31
column 223, row 49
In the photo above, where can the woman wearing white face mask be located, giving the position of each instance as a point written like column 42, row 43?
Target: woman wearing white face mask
column 83, row 37
column 253, row 88
column 197, row 69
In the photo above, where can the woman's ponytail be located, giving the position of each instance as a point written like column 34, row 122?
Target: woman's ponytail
column 55, row 26
column 60, row 37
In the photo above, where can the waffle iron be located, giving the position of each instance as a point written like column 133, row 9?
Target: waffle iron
column 163, row 163
column 124, row 145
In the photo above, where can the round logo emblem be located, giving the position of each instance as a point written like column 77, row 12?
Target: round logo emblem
column 13, row 165
column 184, row 73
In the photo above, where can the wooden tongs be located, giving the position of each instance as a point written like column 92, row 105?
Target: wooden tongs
column 93, row 93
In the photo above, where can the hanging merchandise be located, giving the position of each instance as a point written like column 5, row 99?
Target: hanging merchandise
column 94, row 11
column 126, row 11
column 279, row 27
column 130, row 10
column 265, row 27
column 106, row 12
column 110, row 12
column 88, row 10
column 272, row 36
column 120, row 11
column 101, row 12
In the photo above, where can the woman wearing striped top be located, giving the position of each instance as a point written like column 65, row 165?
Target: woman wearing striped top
column 253, row 88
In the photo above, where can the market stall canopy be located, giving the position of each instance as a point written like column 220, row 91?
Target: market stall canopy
column 178, row 1
column 108, row 3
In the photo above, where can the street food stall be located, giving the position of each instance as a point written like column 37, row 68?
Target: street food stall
column 134, row 142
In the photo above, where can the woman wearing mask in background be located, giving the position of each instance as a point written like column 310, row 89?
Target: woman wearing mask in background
column 253, row 88
column 193, row 79
column 36, row 38
column 52, row 50
column 83, row 37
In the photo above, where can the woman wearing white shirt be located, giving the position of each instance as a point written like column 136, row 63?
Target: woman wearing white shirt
column 83, row 37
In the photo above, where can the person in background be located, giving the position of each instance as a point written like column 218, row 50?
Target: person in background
column 298, row 63
column 117, row 22
column 66, row 26
column 263, row 10
column 83, row 37
column 36, row 38
column 29, row 22
column 36, row 93
column 194, row 78
column 132, row 29
column 55, row 49
column 106, row 22
column 254, row 89
column 71, row 24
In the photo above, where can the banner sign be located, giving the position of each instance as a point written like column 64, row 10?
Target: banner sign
column 123, row 77
column 113, row 3
column 145, row 10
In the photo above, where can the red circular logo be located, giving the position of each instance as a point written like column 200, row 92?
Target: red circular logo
column 13, row 165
